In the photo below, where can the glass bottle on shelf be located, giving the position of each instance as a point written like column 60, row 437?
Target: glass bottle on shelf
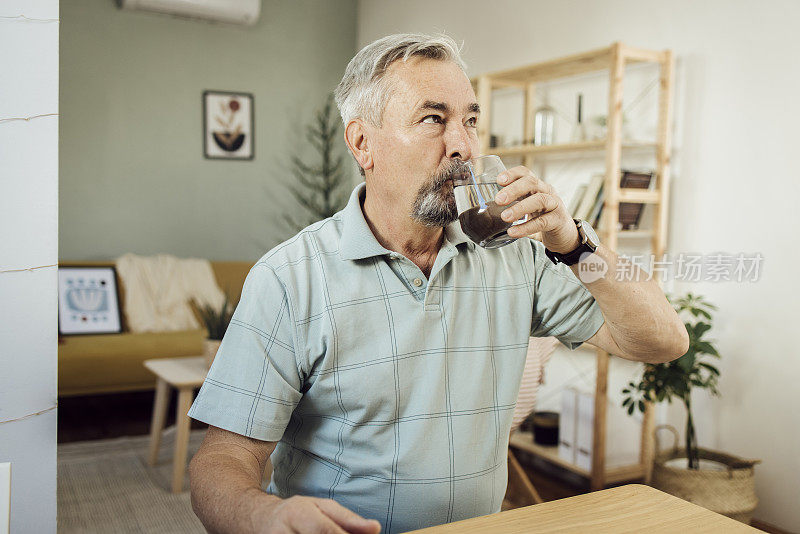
column 544, row 122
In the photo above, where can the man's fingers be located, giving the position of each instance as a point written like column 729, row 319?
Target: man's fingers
column 520, row 182
column 538, row 203
column 315, row 522
column 542, row 223
column 350, row 521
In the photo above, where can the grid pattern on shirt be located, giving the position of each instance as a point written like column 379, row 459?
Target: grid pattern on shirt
column 392, row 398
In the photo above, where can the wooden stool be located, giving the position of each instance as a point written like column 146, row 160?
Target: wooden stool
column 185, row 375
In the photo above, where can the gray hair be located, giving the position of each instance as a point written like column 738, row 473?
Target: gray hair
column 362, row 94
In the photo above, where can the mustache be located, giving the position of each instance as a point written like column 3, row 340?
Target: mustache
column 454, row 170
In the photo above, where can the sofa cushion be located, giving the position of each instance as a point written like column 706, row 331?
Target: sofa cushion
column 230, row 277
column 114, row 362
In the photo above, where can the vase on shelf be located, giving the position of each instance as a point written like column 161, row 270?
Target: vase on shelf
column 544, row 119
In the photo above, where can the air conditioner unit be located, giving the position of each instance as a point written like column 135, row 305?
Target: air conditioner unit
column 231, row 11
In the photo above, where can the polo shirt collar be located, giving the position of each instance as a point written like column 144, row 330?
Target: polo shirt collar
column 358, row 241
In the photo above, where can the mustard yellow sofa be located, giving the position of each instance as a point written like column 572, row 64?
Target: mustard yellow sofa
column 112, row 363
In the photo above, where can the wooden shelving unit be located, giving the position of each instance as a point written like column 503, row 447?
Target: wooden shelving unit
column 612, row 59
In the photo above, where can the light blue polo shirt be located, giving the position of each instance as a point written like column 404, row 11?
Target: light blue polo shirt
column 390, row 392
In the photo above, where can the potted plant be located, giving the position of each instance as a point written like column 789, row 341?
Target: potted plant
column 216, row 321
column 717, row 481
column 322, row 185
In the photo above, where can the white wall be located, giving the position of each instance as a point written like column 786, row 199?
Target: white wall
column 735, row 183
column 28, row 238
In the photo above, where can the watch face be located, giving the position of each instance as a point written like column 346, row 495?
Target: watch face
column 591, row 235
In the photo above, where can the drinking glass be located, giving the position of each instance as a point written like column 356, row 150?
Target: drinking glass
column 474, row 189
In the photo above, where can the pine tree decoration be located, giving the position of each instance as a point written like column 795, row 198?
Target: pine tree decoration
column 320, row 187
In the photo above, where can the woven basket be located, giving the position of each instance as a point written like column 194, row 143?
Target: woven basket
column 210, row 347
column 729, row 492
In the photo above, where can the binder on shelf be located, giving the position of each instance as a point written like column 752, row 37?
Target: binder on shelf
column 584, row 430
column 566, row 424
column 631, row 212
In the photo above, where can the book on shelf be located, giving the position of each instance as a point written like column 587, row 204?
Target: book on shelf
column 597, row 208
column 576, row 199
column 589, row 197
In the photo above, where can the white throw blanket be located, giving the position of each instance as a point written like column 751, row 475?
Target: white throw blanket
column 539, row 351
column 158, row 290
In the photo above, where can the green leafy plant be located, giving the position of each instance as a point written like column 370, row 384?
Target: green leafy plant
column 216, row 320
column 320, row 187
column 677, row 378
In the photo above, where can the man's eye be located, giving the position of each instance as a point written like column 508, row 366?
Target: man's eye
column 433, row 119
column 473, row 122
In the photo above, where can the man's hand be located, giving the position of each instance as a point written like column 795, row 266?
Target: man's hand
column 308, row 515
column 545, row 209
column 225, row 477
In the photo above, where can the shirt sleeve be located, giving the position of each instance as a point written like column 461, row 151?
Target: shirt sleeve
column 254, row 383
column 562, row 306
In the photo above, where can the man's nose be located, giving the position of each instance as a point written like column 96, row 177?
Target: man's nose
column 458, row 142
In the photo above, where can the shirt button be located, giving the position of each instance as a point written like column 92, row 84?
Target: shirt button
column 417, row 282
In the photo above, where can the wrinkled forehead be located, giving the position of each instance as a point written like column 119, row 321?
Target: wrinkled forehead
column 419, row 80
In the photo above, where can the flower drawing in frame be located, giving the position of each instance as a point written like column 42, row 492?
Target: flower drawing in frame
column 228, row 125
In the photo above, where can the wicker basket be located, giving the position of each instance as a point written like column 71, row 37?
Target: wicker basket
column 730, row 492
column 210, row 347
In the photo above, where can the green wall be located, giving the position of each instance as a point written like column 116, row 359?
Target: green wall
column 132, row 173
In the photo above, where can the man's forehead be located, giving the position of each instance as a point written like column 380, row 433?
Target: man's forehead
column 424, row 83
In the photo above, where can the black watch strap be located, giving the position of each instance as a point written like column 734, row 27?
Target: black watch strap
column 571, row 258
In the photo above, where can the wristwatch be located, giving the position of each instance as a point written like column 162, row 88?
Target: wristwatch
column 589, row 243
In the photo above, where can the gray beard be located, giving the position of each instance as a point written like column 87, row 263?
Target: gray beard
column 435, row 205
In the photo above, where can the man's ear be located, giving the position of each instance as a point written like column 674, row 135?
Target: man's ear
column 357, row 139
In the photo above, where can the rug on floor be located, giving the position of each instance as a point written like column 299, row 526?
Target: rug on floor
column 106, row 486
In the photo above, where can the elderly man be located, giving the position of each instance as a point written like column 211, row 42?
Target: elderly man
column 376, row 355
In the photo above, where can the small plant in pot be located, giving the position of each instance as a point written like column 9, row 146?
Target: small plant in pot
column 216, row 321
column 717, row 481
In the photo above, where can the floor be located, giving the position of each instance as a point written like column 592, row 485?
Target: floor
column 128, row 414
column 110, row 416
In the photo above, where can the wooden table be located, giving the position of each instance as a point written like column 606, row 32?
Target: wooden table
column 631, row 508
column 185, row 375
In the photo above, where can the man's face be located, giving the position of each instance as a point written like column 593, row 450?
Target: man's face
column 429, row 127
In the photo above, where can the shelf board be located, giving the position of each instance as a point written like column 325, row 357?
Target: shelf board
column 645, row 196
column 573, row 65
column 634, row 234
column 598, row 145
column 524, row 442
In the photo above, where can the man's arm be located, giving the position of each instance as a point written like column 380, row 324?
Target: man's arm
column 225, row 477
column 640, row 324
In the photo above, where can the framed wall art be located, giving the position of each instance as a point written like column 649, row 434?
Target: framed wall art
column 228, row 125
column 88, row 301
